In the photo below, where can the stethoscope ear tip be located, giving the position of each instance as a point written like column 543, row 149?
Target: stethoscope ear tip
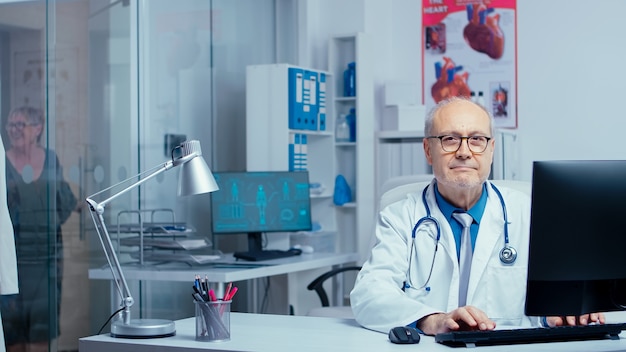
column 427, row 288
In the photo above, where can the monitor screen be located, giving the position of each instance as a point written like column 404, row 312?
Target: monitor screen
column 259, row 202
column 577, row 261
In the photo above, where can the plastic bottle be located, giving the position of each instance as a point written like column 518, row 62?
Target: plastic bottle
column 473, row 96
column 349, row 80
column 342, row 129
column 480, row 100
column 351, row 120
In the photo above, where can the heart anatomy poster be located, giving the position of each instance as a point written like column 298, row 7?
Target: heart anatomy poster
column 469, row 49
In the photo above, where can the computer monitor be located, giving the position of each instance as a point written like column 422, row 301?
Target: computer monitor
column 577, row 254
column 260, row 202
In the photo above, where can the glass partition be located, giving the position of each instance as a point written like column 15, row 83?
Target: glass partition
column 107, row 88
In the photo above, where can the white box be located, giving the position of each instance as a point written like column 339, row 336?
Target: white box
column 401, row 94
column 404, row 118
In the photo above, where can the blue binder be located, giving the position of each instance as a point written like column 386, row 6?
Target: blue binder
column 321, row 116
column 296, row 98
column 303, row 154
column 310, row 94
column 292, row 152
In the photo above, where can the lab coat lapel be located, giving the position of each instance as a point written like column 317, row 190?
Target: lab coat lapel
column 447, row 238
column 447, row 246
column 490, row 235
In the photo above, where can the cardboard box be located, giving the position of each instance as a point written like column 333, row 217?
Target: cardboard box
column 404, row 118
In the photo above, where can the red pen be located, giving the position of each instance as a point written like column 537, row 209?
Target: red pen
column 231, row 294
column 227, row 291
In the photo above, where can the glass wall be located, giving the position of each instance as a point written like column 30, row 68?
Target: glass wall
column 116, row 83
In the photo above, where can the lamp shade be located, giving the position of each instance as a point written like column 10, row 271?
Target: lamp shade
column 195, row 178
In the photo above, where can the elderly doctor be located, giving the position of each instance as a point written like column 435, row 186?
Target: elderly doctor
column 417, row 273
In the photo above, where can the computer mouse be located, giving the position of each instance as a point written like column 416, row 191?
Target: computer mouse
column 295, row 251
column 304, row 248
column 307, row 249
column 404, row 335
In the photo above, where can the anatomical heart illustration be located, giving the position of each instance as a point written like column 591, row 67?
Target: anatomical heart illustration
column 450, row 81
column 482, row 31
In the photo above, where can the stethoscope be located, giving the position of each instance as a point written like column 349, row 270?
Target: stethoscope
column 508, row 254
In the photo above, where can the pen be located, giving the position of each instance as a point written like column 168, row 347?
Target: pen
column 205, row 286
column 227, row 291
column 197, row 290
column 197, row 297
column 206, row 283
column 196, row 282
column 231, row 294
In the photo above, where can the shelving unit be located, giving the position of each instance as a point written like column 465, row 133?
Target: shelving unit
column 355, row 161
column 268, row 137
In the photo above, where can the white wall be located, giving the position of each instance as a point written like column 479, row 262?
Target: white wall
column 571, row 86
column 570, row 78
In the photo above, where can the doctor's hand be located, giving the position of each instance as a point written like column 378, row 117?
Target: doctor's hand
column 463, row 318
column 572, row 320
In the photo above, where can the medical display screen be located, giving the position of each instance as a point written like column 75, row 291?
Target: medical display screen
column 576, row 259
column 257, row 202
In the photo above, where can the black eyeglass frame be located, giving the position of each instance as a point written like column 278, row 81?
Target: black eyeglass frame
column 467, row 138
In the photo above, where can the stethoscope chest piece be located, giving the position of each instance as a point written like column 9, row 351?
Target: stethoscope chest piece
column 508, row 255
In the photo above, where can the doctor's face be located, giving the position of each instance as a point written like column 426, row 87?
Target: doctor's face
column 463, row 168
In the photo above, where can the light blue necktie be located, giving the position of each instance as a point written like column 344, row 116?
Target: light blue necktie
column 465, row 260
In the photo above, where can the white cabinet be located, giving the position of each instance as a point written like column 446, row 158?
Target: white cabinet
column 355, row 160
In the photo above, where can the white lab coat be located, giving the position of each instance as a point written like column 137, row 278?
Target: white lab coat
column 8, row 262
column 377, row 299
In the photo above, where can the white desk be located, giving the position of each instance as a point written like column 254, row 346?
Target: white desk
column 277, row 333
column 228, row 269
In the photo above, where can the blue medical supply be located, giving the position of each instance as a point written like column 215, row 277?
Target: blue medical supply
column 349, row 80
column 342, row 193
column 351, row 120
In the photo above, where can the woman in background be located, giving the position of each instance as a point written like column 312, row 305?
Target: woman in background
column 39, row 201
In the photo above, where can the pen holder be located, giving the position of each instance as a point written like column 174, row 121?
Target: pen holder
column 213, row 321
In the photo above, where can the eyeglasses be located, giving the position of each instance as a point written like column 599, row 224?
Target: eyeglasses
column 451, row 143
column 19, row 125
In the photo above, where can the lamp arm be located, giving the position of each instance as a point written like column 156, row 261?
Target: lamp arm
column 159, row 169
column 97, row 211
column 114, row 263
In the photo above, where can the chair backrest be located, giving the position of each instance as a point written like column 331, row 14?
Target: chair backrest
column 396, row 188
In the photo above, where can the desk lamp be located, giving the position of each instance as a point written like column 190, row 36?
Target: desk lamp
column 195, row 178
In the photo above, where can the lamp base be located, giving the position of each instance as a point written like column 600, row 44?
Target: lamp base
column 143, row 329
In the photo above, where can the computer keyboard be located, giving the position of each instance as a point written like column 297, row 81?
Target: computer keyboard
column 267, row 254
column 530, row 335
